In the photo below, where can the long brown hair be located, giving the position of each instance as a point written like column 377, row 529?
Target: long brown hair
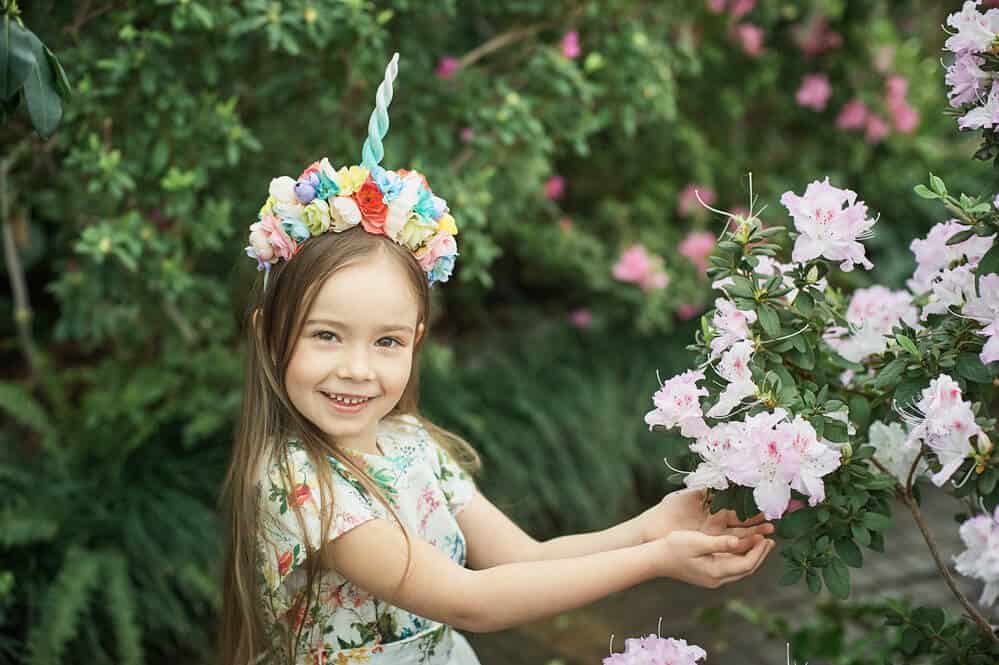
column 273, row 322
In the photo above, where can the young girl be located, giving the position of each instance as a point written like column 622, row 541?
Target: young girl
column 354, row 532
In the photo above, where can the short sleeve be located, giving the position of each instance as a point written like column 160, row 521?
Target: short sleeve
column 457, row 485
column 285, row 539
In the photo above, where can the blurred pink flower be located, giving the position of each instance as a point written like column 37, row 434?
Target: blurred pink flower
column 884, row 57
column 716, row 6
column 875, row 129
column 637, row 266
column 740, row 8
column 697, row 247
column 570, row 45
column 686, row 311
column 555, row 187
column 896, row 88
column 688, row 198
column 853, row 115
column 467, row 135
column 904, row 117
column 581, row 317
column 447, row 66
column 814, row 92
column 814, row 36
column 750, row 37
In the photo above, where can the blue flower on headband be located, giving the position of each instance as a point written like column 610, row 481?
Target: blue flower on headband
column 441, row 271
column 388, row 181
column 296, row 229
column 425, row 204
column 326, row 187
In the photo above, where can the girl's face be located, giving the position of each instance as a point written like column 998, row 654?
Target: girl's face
column 352, row 362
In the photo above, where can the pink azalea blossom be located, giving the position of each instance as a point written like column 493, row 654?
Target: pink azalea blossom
column 555, row 187
column 447, row 66
column 946, row 425
column 818, row 459
column 717, row 450
column 740, row 8
column 716, row 6
column 731, row 325
column 570, row 45
column 814, row 92
column 815, row 37
column 826, row 227
column 872, row 313
column 985, row 116
column 985, row 308
column 735, row 368
column 637, row 266
column 904, row 117
column 896, row 87
column 697, row 247
column 653, row 650
column 889, row 442
column 688, row 198
column 853, row 115
column 950, row 289
column 980, row 559
column 678, row 404
column 875, row 129
column 581, row 317
column 974, row 31
column 934, row 255
column 967, row 80
column 467, row 135
column 750, row 38
column 767, row 462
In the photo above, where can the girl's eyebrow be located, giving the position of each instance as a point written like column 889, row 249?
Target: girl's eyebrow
column 382, row 329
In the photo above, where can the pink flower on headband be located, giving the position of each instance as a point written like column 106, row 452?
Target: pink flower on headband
column 269, row 240
column 442, row 244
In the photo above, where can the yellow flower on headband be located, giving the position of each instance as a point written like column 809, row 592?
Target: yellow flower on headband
column 350, row 179
column 447, row 225
column 267, row 208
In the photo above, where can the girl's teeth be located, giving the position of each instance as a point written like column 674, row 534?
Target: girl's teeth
column 348, row 400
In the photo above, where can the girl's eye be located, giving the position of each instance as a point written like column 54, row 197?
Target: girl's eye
column 388, row 342
column 326, row 335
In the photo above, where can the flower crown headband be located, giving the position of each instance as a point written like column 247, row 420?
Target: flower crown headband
column 398, row 204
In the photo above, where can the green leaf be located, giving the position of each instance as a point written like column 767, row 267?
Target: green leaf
column 63, row 86
column 908, row 345
column 960, row 236
column 769, row 320
column 17, row 58
column 909, row 389
column 938, row 185
column 40, row 93
column 804, row 302
column 891, row 373
column 970, row 366
column 797, row 523
column 860, row 534
column 849, row 552
column 791, row 576
column 860, row 411
column 837, row 578
column 813, row 581
column 924, row 192
column 876, row 521
column 934, row 617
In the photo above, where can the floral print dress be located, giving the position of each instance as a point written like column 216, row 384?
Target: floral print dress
column 348, row 625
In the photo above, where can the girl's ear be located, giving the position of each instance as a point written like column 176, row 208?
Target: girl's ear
column 419, row 332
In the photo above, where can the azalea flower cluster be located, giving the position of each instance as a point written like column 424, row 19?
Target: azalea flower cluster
column 980, row 559
column 399, row 204
column 872, row 313
column 973, row 89
column 654, row 650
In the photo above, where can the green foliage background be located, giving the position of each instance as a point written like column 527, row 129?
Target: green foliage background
column 132, row 218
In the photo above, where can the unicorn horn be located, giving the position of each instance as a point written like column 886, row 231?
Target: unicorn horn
column 378, row 124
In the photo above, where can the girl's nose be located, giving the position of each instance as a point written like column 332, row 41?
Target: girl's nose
column 355, row 366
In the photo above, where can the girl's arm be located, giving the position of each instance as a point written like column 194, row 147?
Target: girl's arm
column 493, row 538
column 374, row 556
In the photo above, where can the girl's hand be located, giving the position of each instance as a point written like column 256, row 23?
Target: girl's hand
column 711, row 561
column 687, row 509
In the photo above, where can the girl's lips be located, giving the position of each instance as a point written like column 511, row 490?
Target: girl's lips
column 346, row 408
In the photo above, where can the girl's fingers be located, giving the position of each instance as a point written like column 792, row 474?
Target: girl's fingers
column 736, row 566
column 756, row 566
column 762, row 529
column 755, row 519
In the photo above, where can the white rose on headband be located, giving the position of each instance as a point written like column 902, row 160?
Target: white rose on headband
column 402, row 205
column 286, row 203
column 344, row 213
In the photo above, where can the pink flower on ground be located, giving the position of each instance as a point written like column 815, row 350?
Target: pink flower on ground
column 686, row 311
column 688, row 198
column 581, row 317
column 697, row 247
column 814, row 92
column 447, row 66
column 570, row 45
column 875, row 129
column 750, row 37
column 555, row 187
column 853, row 115
column 826, row 227
column 678, row 403
column 636, row 266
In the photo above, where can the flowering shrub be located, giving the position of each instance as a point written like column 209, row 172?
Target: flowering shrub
column 818, row 408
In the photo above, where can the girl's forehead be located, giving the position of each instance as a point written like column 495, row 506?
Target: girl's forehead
column 374, row 290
